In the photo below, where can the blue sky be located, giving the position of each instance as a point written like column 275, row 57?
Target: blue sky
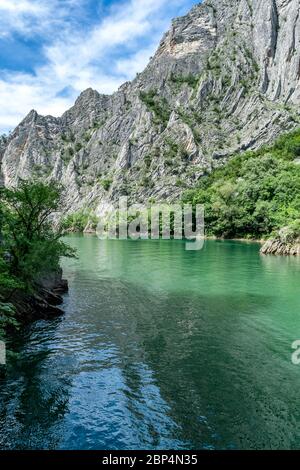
column 51, row 50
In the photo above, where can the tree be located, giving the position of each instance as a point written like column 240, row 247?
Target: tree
column 254, row 194
column 31, row 244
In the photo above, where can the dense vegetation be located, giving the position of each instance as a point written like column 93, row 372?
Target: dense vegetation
column 78, row 221
column 29, row 246
column 255, row 193
column 157, row 105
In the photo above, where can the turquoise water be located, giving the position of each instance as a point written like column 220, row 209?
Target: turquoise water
column 161, row 348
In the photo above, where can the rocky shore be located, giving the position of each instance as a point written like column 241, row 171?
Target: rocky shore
column 44, row 302
column 279, row 247
column 287, row 242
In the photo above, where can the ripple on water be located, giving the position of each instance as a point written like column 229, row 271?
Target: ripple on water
column 160, row 348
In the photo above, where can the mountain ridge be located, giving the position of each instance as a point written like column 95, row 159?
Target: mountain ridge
column 224, row 79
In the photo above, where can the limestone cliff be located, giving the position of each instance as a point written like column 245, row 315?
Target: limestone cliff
column 225, row 78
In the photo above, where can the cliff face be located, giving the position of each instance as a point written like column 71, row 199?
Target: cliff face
column 225, row 78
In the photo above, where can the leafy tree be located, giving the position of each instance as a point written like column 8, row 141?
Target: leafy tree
column 254, row 194
column 78, row 221
column 31, row 244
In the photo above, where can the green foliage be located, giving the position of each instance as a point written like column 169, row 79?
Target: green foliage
column 290, row 233
column 148, row 160
column 190, row 80
column 7, row 318
column 87, row 136
column 179, row 183
column 67, row 138
column 147, row 182
column 78, row 146
column 68, row 154
column 158, row 105
column 76, row 222
column 29, row 246
column 106, row 183
column 288, row 146
column 255, row 194
column 27, row 234
column 171, row 150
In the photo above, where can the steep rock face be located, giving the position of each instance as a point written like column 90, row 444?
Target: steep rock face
column 225, row 78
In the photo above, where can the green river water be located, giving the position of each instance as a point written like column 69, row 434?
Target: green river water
column 161, row 348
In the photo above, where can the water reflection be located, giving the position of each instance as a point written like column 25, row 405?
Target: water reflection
column 160, row 348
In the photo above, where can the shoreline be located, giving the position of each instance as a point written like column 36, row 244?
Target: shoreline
column 269, row 246
column 249, row 240
column 42, row 304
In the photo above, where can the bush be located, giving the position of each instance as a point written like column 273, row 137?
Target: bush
column 288, row 146
column 189, row 79
column 158, row 105
column 179, row 183
column 33, row 246
column 78, row 146
column 76, row 222
column 254, row 194
column 106, row 183
column 29, row 246
column 69, row 153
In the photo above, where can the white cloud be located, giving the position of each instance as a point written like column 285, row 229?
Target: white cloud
column 29, row 17
column 74, row 57
column 136, row 63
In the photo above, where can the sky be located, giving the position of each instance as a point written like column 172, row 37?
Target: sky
column 52, row 50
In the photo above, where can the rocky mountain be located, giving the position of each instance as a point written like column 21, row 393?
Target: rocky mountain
column 225, row 78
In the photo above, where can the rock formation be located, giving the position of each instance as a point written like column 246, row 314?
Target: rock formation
column 225, row 78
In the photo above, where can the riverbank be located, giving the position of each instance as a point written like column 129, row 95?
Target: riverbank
column 31, row 282
column 43, row 302
column 274, row 246
column 278, row 247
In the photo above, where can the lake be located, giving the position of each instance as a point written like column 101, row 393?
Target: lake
column 161, row 348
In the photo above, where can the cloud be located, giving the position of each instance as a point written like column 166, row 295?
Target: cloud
column 136, row 62
column 30, row 17
column 78, row 53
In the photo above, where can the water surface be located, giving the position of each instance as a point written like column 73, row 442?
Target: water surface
column 161, row 348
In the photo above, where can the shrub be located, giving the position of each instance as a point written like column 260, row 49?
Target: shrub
column 76, row 222
column 27, row 233
column 106, row 183
column 78, row 146
column 254, row 194
column 190, row 80
column 158, row 105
